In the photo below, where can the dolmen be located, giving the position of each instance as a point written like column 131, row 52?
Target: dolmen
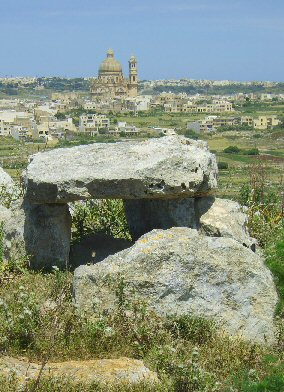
column 192, row 253
column 158, row 179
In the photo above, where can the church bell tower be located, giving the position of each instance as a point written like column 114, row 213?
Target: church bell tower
column 133, row 77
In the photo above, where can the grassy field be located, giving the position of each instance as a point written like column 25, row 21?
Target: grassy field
column 189, row 354
column 14, row 155
column 240, row 167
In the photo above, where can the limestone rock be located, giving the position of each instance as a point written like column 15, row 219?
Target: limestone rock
column 121, row 370
column 223, row 218
column 41, row 232
column 212, row 216
column 47, row 235
column 6, row 182
column 145, row 215
column 167, row 167
column 179, row 271
column 5, row 213
column 13, row 220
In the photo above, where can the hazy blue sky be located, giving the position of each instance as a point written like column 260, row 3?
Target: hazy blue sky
column 201, row 39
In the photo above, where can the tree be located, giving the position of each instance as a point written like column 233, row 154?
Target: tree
column 60, row 116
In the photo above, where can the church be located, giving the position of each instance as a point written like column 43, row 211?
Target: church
column 111, row 82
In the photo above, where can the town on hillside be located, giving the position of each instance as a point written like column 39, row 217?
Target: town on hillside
column 50, row 109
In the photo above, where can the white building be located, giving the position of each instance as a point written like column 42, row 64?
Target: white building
column 94, row 123
column 10, row 118
column 18, row 132
column 124, row 128
column 140, row 103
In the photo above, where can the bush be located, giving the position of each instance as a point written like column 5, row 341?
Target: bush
column 99, row 216
column 232, row 150
column 191, row 134
column 253, row 151
column 196, row 329
column 223, row 165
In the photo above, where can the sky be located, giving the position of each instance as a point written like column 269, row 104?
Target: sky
column 198, row 39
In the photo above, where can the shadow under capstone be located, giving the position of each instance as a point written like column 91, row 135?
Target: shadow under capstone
column 94, row 248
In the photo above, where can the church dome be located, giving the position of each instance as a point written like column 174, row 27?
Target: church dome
column 110, row 64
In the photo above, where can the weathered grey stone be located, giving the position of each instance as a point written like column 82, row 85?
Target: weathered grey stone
column 223, row 218
column 5, row 213
column 6, row 182
column 167, row 167
column 13, row 220
column 47, row 234
column 145, row 215
column 41, row 232
column 179, row 271
column 113, row 371
column 212, row 216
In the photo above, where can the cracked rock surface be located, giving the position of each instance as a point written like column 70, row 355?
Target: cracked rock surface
column 181, row 271
column 167, row 167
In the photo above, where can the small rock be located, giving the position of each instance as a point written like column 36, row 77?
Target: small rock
column 113, row 371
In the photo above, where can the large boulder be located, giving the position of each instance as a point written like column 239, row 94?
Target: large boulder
column 223, row 218
column 168, row 167
column 179, row 271
column 6, row 182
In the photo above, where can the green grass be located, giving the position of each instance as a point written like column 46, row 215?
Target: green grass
column 275, row 262
column 277, row 153
column 188, row 353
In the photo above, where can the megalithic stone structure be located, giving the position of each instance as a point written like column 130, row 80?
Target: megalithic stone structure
column 168, row 172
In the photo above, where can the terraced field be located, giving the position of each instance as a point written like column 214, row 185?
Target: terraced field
column 14, row 155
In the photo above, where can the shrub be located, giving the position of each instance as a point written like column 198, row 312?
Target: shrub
column 196, row 329
column 275, row 262
column 232, row 150
column 253, row 151
column 99, row 216
column 191, row 134
column 223, row 165
column 1, row 241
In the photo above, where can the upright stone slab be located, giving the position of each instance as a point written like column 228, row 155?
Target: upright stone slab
column 47, row 234
column 212, row 216
column 13, row 231
column 164, row 168
column 145, row 215
column 39, row 231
